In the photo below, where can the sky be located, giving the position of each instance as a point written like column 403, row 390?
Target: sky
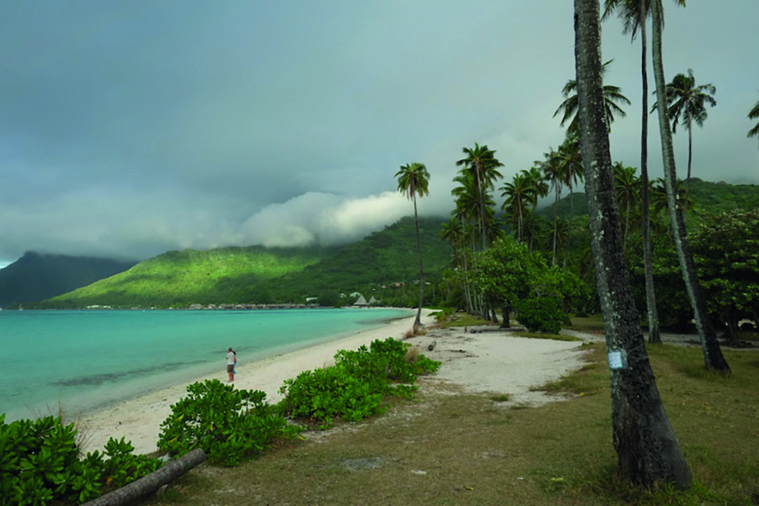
column 133, row 127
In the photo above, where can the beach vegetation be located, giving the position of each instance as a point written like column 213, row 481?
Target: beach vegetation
column 227, row 423
column 40, row 463
column 509, row 452
column 354, row 387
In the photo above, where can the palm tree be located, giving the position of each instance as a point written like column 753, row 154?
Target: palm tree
column 552, row 174
column 753, row 114
column 713, row 358
column 413, row 180
column 541, row 188
column 648, row 451
column 626, row 186
column 633, row 14
column 519, row 193
column 612, row 96
column 570, row 159
column 686, row 103
column 482, row 164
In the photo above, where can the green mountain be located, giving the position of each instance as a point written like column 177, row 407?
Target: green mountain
column 258, row 275
column 719, row 197
column 708, row 198
column 180, row 278
column 37, row 276
column 383, row 264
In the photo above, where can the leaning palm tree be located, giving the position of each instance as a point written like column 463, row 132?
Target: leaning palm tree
column 713, row 358
column 482, row 164
column 568, row 108
column 753, row 114
column 686, row 104
column 413, row 180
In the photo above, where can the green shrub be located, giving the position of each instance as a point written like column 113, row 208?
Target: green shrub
column 354, row 387
column 541, row 315
column 40, row 462
column 226, row 423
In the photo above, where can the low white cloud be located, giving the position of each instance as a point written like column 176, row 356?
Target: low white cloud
column 322, row 218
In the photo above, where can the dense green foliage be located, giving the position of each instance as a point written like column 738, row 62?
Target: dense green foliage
column 726, row 249
column 40, row 463
column 511, row 276
column 355, row 386
column 36, row 276
column 541, row 315
column 228, row 424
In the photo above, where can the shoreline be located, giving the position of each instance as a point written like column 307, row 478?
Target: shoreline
column 139, row 419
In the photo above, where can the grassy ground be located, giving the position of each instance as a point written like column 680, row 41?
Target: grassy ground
column 447, row 447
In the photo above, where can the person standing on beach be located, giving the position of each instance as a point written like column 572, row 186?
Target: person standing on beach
column 231, row 359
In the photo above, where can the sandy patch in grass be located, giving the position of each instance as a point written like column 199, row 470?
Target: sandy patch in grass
column 487, row 359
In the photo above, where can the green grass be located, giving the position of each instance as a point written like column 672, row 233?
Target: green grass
column 590, row 324
column 475, row 449
column 463, row 320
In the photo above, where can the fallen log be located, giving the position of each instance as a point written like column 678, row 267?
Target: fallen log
column 432, row 345
column 148, row 484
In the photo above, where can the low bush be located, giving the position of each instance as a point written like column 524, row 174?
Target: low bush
column 541, row 315
column 355, row 386
column 40, row 463
column 226, row 423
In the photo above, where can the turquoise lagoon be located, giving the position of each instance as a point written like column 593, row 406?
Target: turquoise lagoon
column 85, row 360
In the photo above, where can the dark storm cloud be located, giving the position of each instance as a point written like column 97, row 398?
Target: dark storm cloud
column 132, row 127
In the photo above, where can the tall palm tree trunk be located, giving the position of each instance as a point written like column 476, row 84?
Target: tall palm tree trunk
column 647, row 449
column 648, row 262
column 555, row 225
column 418, row 321
column 690, row 159
column 569, row 228
column 713, row 358
column 481, row 191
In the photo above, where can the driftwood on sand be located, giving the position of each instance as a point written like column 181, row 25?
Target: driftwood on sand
column 146, row 485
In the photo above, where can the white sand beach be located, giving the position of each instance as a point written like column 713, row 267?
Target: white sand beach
column 481, row 359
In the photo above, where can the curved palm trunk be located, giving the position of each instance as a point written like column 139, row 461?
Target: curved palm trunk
column 713, row 358
column 418, row 321
column 648, row 262
column 647, row 449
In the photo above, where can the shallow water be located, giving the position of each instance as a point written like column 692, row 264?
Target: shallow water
column 84, row 360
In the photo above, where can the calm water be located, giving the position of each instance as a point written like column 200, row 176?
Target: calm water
column 89, row 359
